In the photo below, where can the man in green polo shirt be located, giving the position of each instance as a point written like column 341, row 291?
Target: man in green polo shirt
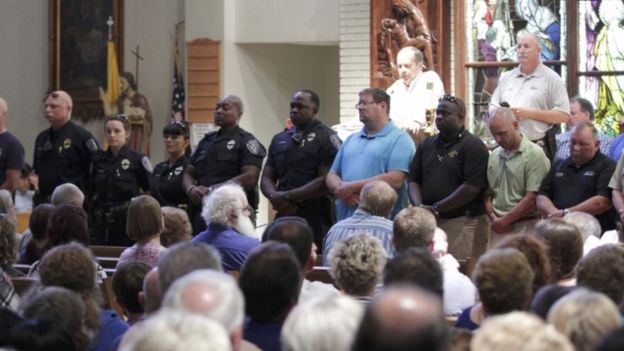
column 515, row 171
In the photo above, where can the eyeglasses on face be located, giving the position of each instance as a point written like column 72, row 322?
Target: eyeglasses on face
column 363, row 104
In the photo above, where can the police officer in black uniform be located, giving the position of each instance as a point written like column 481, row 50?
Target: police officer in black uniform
column 166, row 180
column 299, row 158
column 230, row 154
column 119, row 174
column 64, row 152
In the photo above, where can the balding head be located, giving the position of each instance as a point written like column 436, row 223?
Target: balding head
column 377, row 198
column 58, row 108
column 4, row 108
column 504, row 128
column 150, row 296
column 402, row 318
column 236, row 101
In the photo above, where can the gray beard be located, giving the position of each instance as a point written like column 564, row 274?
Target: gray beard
column 245, row 226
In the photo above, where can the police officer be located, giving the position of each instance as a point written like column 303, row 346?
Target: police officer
column 64, row 152
column 230, row 154
column 293, row 178
column 166, row 181
column 119, row 174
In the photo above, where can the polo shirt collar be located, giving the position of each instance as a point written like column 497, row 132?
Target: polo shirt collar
column 382, row 133
column 571, row 163
column 537, row 73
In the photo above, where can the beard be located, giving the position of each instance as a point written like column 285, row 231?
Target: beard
column 245, row 226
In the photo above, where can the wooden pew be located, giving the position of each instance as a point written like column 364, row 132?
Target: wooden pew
column 108, row 262
column 24, row 268
column 106, row 251
column 320, row 274
column 23, row 284
column 23, row 221
column 109, row 296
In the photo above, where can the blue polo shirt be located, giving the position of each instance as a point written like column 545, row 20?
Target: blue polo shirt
column 233, row 246
column 364, row 156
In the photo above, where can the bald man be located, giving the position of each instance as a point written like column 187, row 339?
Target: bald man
column 229, row 154
column 11, row 153
column 63, row 152
column 403, row 318
column 536, row 95
column 515, row 171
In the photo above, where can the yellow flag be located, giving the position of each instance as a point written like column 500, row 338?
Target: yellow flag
column 114, row 89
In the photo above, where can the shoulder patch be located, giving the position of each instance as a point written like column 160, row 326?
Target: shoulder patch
column 92, row 145
column 253, row 146
column 335, row 140
column 147, row 164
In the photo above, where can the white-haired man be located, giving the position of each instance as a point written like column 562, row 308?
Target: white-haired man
column 215, row 295
column 67, row 193
column 230, row 229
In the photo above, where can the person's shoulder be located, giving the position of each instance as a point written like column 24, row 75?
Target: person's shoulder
column 472, row 140
column 245, row 134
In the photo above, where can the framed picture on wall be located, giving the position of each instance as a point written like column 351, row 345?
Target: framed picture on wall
column 77, row 55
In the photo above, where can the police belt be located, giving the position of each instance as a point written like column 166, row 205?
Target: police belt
column 112, row 213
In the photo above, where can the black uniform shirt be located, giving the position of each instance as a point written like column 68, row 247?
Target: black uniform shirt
column 64, row 156
column 119, row 178
column 296, row 155
column 166, row 182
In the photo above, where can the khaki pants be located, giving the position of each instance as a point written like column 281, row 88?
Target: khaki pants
column 467, row 236
column 523, row 226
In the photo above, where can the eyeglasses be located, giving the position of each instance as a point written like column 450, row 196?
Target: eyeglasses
column 122, row 116
column 363, row 104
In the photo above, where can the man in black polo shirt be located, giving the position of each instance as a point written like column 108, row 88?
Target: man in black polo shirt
column 581, row 181
column 449, row 175
column 63, row 152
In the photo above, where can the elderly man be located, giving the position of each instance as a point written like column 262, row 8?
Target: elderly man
column 377, row 199
column 581, row 110
column 580, row 182
column 67, row 193
column 515, row 171
column 230, row 154
column 63, row 153
column 448, row 176
column 214, row 295
column 296, row 232
column 536, row 95
column 11, row 153
column 415, row 91
column 403, row 318
column 380, row 151
column 299, row 158
column 230, row 229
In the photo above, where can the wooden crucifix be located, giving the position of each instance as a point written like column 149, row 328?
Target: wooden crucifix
column 138, row 58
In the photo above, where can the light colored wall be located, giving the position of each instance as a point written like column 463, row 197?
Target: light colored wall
column 287, row 21
column 24, row 67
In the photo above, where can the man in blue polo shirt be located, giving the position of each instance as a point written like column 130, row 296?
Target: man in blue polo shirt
column 380, row 151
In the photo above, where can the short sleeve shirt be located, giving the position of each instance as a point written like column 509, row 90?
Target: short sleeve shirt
column 362, row 156
column 440, row 167
column 510, row 177
column 166, row 182
column 543, row 90
column 11, row 154
column 567, row 185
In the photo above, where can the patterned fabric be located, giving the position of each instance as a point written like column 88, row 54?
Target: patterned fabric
column 148, row 253
column 8, row 296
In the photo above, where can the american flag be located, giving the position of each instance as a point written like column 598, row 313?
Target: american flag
column 178, row 95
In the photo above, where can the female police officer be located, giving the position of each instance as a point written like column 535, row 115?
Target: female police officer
column 119, row 174
column 166, row 181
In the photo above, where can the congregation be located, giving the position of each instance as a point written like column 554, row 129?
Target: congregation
column 378, row 241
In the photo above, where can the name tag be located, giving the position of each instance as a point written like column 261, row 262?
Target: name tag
column 559, row 174
column 589, row 174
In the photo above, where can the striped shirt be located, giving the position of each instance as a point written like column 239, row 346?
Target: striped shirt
column 379, row 227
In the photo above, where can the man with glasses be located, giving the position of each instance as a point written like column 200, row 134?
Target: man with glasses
column 379, row 151
column 299, row 158
column 536, row 95
column 63, row 152
column 230, row 154
column 448, row 177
